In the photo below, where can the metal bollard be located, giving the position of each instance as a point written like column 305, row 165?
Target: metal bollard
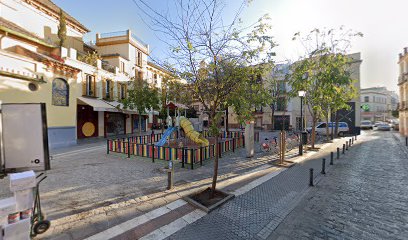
column 349, row 142
column 107, row 146
column 323, row 166
column 331, row 158
column 352, row 141
column 182, row 157
column 152, row 152
column 406, row 141
column 128, row 148
column 311, row 177
column 193, row 157
column 201, row 156
column 170, row 174
column 355, row 137
column 344, row 148
column 338, row 153
column 233, row 145
column 347, row 145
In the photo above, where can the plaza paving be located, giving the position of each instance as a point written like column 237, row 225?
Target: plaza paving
column 363, row 196
column 88, row 191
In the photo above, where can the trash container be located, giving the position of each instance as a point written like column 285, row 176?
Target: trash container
column 304, row 138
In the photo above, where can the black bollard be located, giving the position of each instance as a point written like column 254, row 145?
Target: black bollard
column 311, row 177
column 128, row 148
column 344, row 148
column 193, row 158
column 338, row 153
column 347, row 145
column 331, row 158
column 323, row 166
column 233, row 145
column 349, row 142
column 406, row 141
column 201, row 156
column 107, row 146
column 352, row 141
column 182, row 157
column 355, row 137
column 152, row 152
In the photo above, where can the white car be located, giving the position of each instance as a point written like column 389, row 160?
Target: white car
column 321, row 128
column 366, row 124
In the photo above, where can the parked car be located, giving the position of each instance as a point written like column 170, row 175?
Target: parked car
column 321, row 128
column 366, row 124
column 395, row 125
column 377, row 123
column 383, row 127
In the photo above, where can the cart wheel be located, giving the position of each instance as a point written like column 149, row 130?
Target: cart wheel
column 41, row 227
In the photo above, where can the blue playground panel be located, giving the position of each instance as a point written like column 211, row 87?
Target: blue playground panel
column 166, row 134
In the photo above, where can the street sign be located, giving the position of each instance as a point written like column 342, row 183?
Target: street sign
column 24, row 137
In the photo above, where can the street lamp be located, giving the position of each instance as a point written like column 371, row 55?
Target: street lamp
column 301, row 95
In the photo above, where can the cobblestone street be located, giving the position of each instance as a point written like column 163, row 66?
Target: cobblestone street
column 363, row 196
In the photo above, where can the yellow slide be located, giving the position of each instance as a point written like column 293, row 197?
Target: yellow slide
column 191, row 133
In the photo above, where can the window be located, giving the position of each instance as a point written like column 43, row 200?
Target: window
column 60, row 92
column 139, row 58
column 108, row 93
column 323, row 125
column 122, row 66
column 281, row 104
column 366, row 99
column 90, row 85
column 282, row 87
column 122, row 88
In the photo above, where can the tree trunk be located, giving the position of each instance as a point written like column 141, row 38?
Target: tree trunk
column 313, row 132
column 272, row 120
column 336, row 128
column 226, row 122
column 140, row 124
column 215, row 174
column 327, row 128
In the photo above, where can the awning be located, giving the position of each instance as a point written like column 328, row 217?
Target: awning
column 98, row 104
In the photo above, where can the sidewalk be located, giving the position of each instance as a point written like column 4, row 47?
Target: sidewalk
column 256, row 213
column 236, row 219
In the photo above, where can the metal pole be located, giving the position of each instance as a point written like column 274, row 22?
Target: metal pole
column 107, row 146
column 344, row 148
column 323, row 166
column 182, row 157
column 128, row 148
column 233, row 144
column 331, row 158
column 311, row 177
column 338, row 153
column 192, row 158
column 152, row 152
column 301, row 127
column 347, row 145
column 352, row 141
column 201, row 156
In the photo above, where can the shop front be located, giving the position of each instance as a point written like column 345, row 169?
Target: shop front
column 115, row 123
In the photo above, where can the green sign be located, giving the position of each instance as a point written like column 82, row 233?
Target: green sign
column 366, row 107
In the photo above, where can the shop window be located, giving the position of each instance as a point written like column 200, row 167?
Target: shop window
column 60, row 92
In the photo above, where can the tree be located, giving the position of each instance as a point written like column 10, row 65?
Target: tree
column 324, row 72
column 209, row 53
column 62, row 29
column 141, row 97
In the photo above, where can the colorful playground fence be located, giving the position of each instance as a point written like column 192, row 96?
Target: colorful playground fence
column 191, row 156
column 231, row 134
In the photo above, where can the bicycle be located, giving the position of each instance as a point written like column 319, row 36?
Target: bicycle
column 268, row 146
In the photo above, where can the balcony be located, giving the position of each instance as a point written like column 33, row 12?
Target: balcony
column 112, row 38
column 403, row 106
column 402, row 78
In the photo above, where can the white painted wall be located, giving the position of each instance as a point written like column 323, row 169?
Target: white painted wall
column 32, row 19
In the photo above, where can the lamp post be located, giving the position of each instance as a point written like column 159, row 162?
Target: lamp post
column 301, row 95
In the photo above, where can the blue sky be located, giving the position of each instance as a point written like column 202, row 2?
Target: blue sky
column 383, row 23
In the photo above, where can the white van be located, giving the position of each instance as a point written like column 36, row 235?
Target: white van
column 321, row 128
